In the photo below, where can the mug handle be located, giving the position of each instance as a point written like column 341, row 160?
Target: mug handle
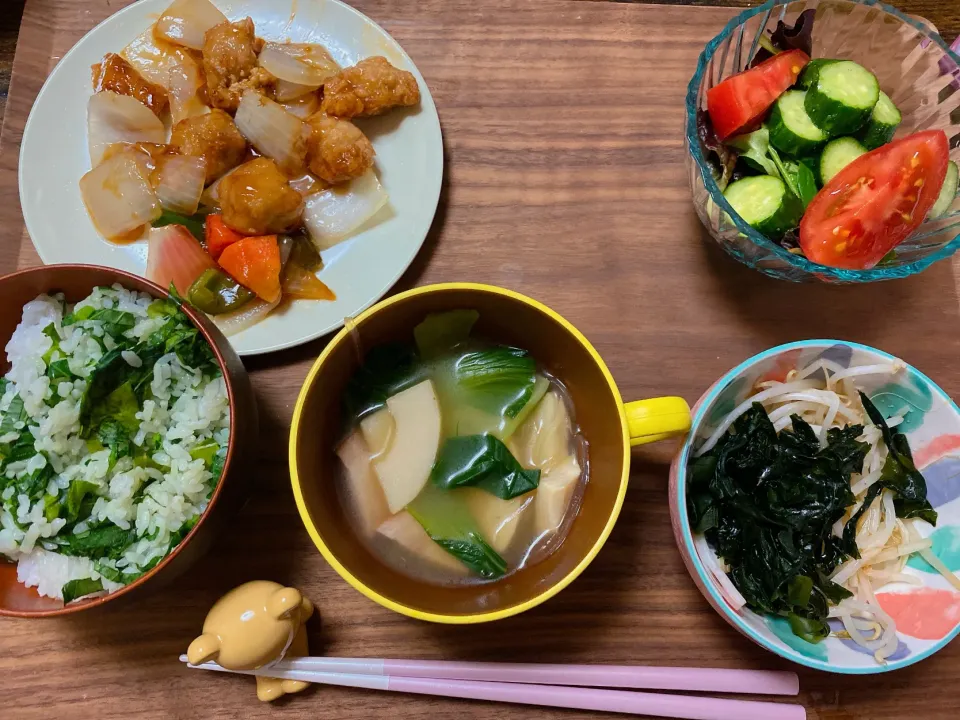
column 657, row 419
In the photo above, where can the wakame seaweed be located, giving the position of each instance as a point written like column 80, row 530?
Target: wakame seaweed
column 767, row 503
column 899, row 473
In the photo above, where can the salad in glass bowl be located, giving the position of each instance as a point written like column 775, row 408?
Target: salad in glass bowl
column 821, row 138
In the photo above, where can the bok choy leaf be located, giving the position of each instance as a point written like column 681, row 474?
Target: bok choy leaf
column 439, row 332
column 449, row 523
column 386, row 370
column 484, row 462
column 499, row 380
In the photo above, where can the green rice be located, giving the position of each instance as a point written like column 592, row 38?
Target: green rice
column 114, row 423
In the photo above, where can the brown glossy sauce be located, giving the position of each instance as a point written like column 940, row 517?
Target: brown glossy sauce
column 129, row 237
column 116, row 74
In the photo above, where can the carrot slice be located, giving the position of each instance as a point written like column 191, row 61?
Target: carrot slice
column 219, row 236
column 298, row 282
column 254, row 262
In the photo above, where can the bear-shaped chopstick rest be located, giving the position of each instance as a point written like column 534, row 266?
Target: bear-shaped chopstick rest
column 253, row 625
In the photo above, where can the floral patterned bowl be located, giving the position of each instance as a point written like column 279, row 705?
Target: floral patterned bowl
column 927, row 615
column 915, row 68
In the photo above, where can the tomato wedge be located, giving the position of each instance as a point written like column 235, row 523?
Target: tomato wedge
column 742, row 99
column 875, row 202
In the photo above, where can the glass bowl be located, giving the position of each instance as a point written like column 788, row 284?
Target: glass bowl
column 915, row 68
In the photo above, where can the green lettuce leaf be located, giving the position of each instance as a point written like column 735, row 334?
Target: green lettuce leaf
column 797, row 176
column 755, row 149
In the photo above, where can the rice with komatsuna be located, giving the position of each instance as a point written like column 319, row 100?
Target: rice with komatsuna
column 114, row 425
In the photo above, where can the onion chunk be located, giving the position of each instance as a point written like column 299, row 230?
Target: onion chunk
column 179, row 182
column 303, row 64
column 333, row 215
column 186, row 21
column 118, row 196
column 114, row 118
column 172, row 68
column 250, row 314
column 303, row 106
column 273, row 131
column 285, row 91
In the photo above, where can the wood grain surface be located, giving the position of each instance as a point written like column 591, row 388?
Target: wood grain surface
column 565, row 180
column 10, row 16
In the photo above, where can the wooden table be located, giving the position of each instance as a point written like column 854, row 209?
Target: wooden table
column 942, row 13
column 565, row 180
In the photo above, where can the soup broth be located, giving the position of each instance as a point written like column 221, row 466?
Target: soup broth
column 463, row 461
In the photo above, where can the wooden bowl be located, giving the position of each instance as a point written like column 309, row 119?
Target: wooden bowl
column 76, row 282
column 506, row 317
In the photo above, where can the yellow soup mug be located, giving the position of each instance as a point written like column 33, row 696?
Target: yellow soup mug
column 506, row 317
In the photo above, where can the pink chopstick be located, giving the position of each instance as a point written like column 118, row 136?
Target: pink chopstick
column 750, row 682
column 622, row 701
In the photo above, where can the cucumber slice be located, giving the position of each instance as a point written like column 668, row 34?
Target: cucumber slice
column 811, row 73
column 791, row 129
column 766, row 205
column 837, row 155
column 883, row 123
column 843, row 97
column 948, row 193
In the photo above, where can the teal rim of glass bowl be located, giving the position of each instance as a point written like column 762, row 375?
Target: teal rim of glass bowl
column 683, row 461
column 798, row 261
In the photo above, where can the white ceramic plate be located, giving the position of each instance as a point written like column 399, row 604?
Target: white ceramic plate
column 53, row 158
